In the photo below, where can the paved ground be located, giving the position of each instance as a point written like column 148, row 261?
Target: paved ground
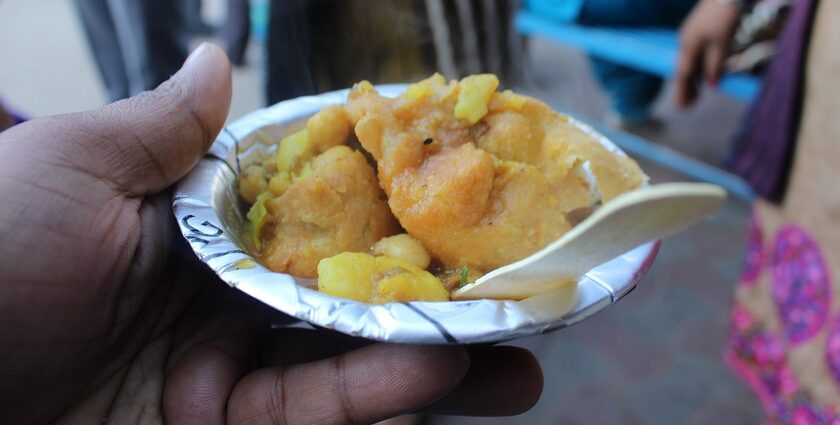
column 654, row 358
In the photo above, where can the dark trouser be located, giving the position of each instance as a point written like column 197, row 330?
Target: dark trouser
column 288, row 49
column 237, row 30
column 138, row 44
column 101, row 37
column 631, row 92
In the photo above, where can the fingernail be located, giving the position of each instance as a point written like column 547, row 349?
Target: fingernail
column 197, row 54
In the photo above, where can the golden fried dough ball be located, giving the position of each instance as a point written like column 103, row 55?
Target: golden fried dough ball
column 336, row 206
column 480, row 178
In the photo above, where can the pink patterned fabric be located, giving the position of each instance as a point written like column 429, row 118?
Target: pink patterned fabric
column 759, row 358
column 801, row 290
column 832, row 350
column 801, row 285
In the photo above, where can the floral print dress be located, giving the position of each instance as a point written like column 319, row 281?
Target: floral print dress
column 784, row 339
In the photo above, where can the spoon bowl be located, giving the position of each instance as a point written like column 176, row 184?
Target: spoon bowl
column 621, row 224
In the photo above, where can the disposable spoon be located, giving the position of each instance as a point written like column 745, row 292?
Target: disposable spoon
column 616, row 227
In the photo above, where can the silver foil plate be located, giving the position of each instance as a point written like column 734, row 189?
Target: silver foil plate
column 212, row 219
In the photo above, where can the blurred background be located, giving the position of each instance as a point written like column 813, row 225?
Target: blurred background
column 654, row 358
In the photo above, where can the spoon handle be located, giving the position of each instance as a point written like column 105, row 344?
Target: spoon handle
column 621, row 224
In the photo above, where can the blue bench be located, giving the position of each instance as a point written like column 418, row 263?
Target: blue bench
column 653, row 50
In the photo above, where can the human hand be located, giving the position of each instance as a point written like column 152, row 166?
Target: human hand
column 6, row 120
column 105, row 316
column 704, row 44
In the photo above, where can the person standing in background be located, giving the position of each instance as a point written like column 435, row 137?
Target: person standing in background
column 715, row 36
column 192, row 17
column 784, row 339
column 321, row 45
column 236, row 32
column 631, row 92
column 137, row 44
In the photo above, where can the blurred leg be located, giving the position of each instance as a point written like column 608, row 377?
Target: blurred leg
column 289, row 48
column 631, row 92
column 191, row 18
column 167, row 39
column 102, row 39
column 622, row 12
column 237, row 30
column 131, row 36
column 669, row 13
column 152, row 40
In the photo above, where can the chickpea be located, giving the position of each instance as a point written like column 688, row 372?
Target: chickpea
column 403, row 247
column 329, row 127
column 252, row 183
column 270, row 167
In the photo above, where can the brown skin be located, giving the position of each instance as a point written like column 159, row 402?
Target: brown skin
column 105, row 314
column 704, row 45
column 6, row 120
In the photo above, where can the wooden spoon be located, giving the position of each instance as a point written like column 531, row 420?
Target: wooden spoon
column 621, row 224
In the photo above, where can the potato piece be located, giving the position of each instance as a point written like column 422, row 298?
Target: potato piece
column 294, row 151
column 363, row 86
column 403, row 282
column 474, row 96
column 403, row 247
column 252, row 183
column 280, row 183
column 347, row 275
column 378, row 280
column 419, row 90
column 329, row 127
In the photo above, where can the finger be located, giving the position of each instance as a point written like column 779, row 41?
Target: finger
column 713, row 62
column 502, row 381
column 214, row 339
column 687, row 69
column 362, row 386
column 201, row 380
column 144, row 144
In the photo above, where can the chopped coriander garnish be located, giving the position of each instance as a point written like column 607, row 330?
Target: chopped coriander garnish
column 428, row 141
column 464, row 273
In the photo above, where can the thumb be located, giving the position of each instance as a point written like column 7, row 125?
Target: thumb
column 143, row 144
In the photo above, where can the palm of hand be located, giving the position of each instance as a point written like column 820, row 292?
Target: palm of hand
column 102, row 318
